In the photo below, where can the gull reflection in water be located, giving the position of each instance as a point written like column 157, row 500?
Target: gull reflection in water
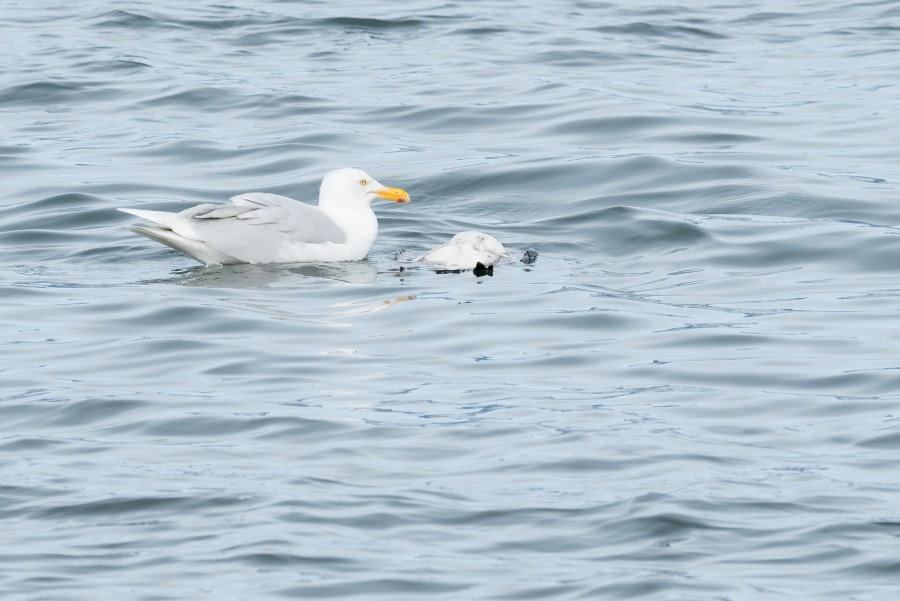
column 334, row 311
column 246, row 276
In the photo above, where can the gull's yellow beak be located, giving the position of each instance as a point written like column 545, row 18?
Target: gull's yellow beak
column 395, row 194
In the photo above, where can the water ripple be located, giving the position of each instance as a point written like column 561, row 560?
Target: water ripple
column 702, row 354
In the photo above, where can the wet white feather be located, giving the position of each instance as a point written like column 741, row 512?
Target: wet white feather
column 465, row 251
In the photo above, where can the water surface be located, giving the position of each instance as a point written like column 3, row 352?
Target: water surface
column 691, row 395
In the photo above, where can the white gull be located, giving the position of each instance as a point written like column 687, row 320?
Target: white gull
column 259, row 227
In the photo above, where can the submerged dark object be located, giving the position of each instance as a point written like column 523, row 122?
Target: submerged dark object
column 529, row 257
column 481, row 269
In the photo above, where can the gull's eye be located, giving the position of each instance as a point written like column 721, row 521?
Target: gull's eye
column 363, row 182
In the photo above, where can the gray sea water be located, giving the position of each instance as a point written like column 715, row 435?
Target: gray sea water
column 693, row 394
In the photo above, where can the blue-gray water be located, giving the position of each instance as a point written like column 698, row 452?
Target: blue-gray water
column 693, row 394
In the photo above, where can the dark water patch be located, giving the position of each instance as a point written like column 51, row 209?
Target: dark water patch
column 589, row 465
column 362, row 520
column 705, row 52
column 120, row 66
column 174, row 349
column 523, row 194
column 677, row 185
column 380, row 586
column 646, row 30
column 171, row 20
column 652, row 584
column 290, row 428
column 267, row 29
column 213, row 98
column 595, row 5
column 546, row 591
column 204, row 426
column 576, row 58
column 65, row 216
column 875, row 31
column 47, row 240
column 877, row 568
column 805, row 243
column 9, row 152
column 85, row 412
column 23, row 445
column 374, row 24
column 175, row 317
column 269, row 37
column 64, row 203
column 18, row 500
column 882, row 441
column 105, row 255
column 622, row 231
column 765, row 17
column 115, row 507
column 712, row 139
column 129, row 21
column 658, row 526
column 599, row 129
column 468, row 31
column 45, row 94
column 278, row 560
column 270, row 106
column 750, row 200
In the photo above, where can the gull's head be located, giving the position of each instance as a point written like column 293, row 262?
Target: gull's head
column 351, row 187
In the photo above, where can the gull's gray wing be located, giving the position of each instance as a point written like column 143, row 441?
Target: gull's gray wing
column 254, row 226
